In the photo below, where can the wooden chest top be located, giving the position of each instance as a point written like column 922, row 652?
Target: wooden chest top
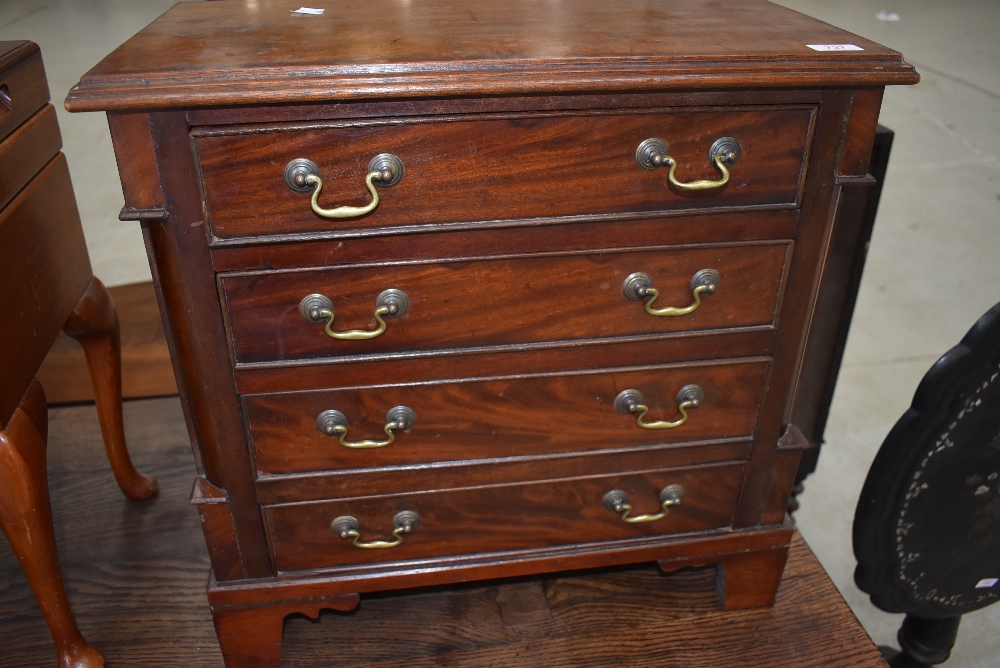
column 225, row 53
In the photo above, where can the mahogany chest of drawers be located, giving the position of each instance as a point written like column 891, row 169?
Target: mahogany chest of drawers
column 479, row 290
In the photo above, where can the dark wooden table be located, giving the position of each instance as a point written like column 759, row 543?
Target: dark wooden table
column 136, row 576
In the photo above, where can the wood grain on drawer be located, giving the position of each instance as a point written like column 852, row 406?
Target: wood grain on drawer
column 506, row 417
column 498, row 169
column 498, row 302
column 546, row 513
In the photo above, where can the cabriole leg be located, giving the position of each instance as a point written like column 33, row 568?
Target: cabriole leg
column 94, row 323
column 26, row 519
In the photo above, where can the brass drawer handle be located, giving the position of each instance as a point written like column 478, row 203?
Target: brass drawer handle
column 652, row 154
column 302, row 175
column 640, row 286
column 617, row 501
column 391, row 303
column 347, row 526
column 333, row 423
column 630, row 401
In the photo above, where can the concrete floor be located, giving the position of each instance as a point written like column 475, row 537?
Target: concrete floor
column 933, row 268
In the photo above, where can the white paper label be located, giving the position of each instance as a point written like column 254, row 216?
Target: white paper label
column 308, row 10
column 986, row 583
column 834, row 47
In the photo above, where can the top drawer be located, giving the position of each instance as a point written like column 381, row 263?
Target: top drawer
column 460, row 171
column 23, row 88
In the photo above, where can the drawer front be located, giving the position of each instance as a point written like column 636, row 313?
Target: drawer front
column 23, row 87
column 498, row 302
column 514, row 517
column 470, row 171
column 26, row 151
column 512, row 417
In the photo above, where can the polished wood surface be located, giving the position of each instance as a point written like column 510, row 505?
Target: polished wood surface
column 835, row 307
column 455, row 304
column 550, row 513
column 153, row 565
column 94, row 323
column 26, row 519
column 539, row 135
column 26, row 151
column 188, row 296
column 470, row 363
column 349, row 483
column 533, row 236
column 460, row 171
column 46, row 270
column 513, row 417
column 23, row 86
column 201, row 54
